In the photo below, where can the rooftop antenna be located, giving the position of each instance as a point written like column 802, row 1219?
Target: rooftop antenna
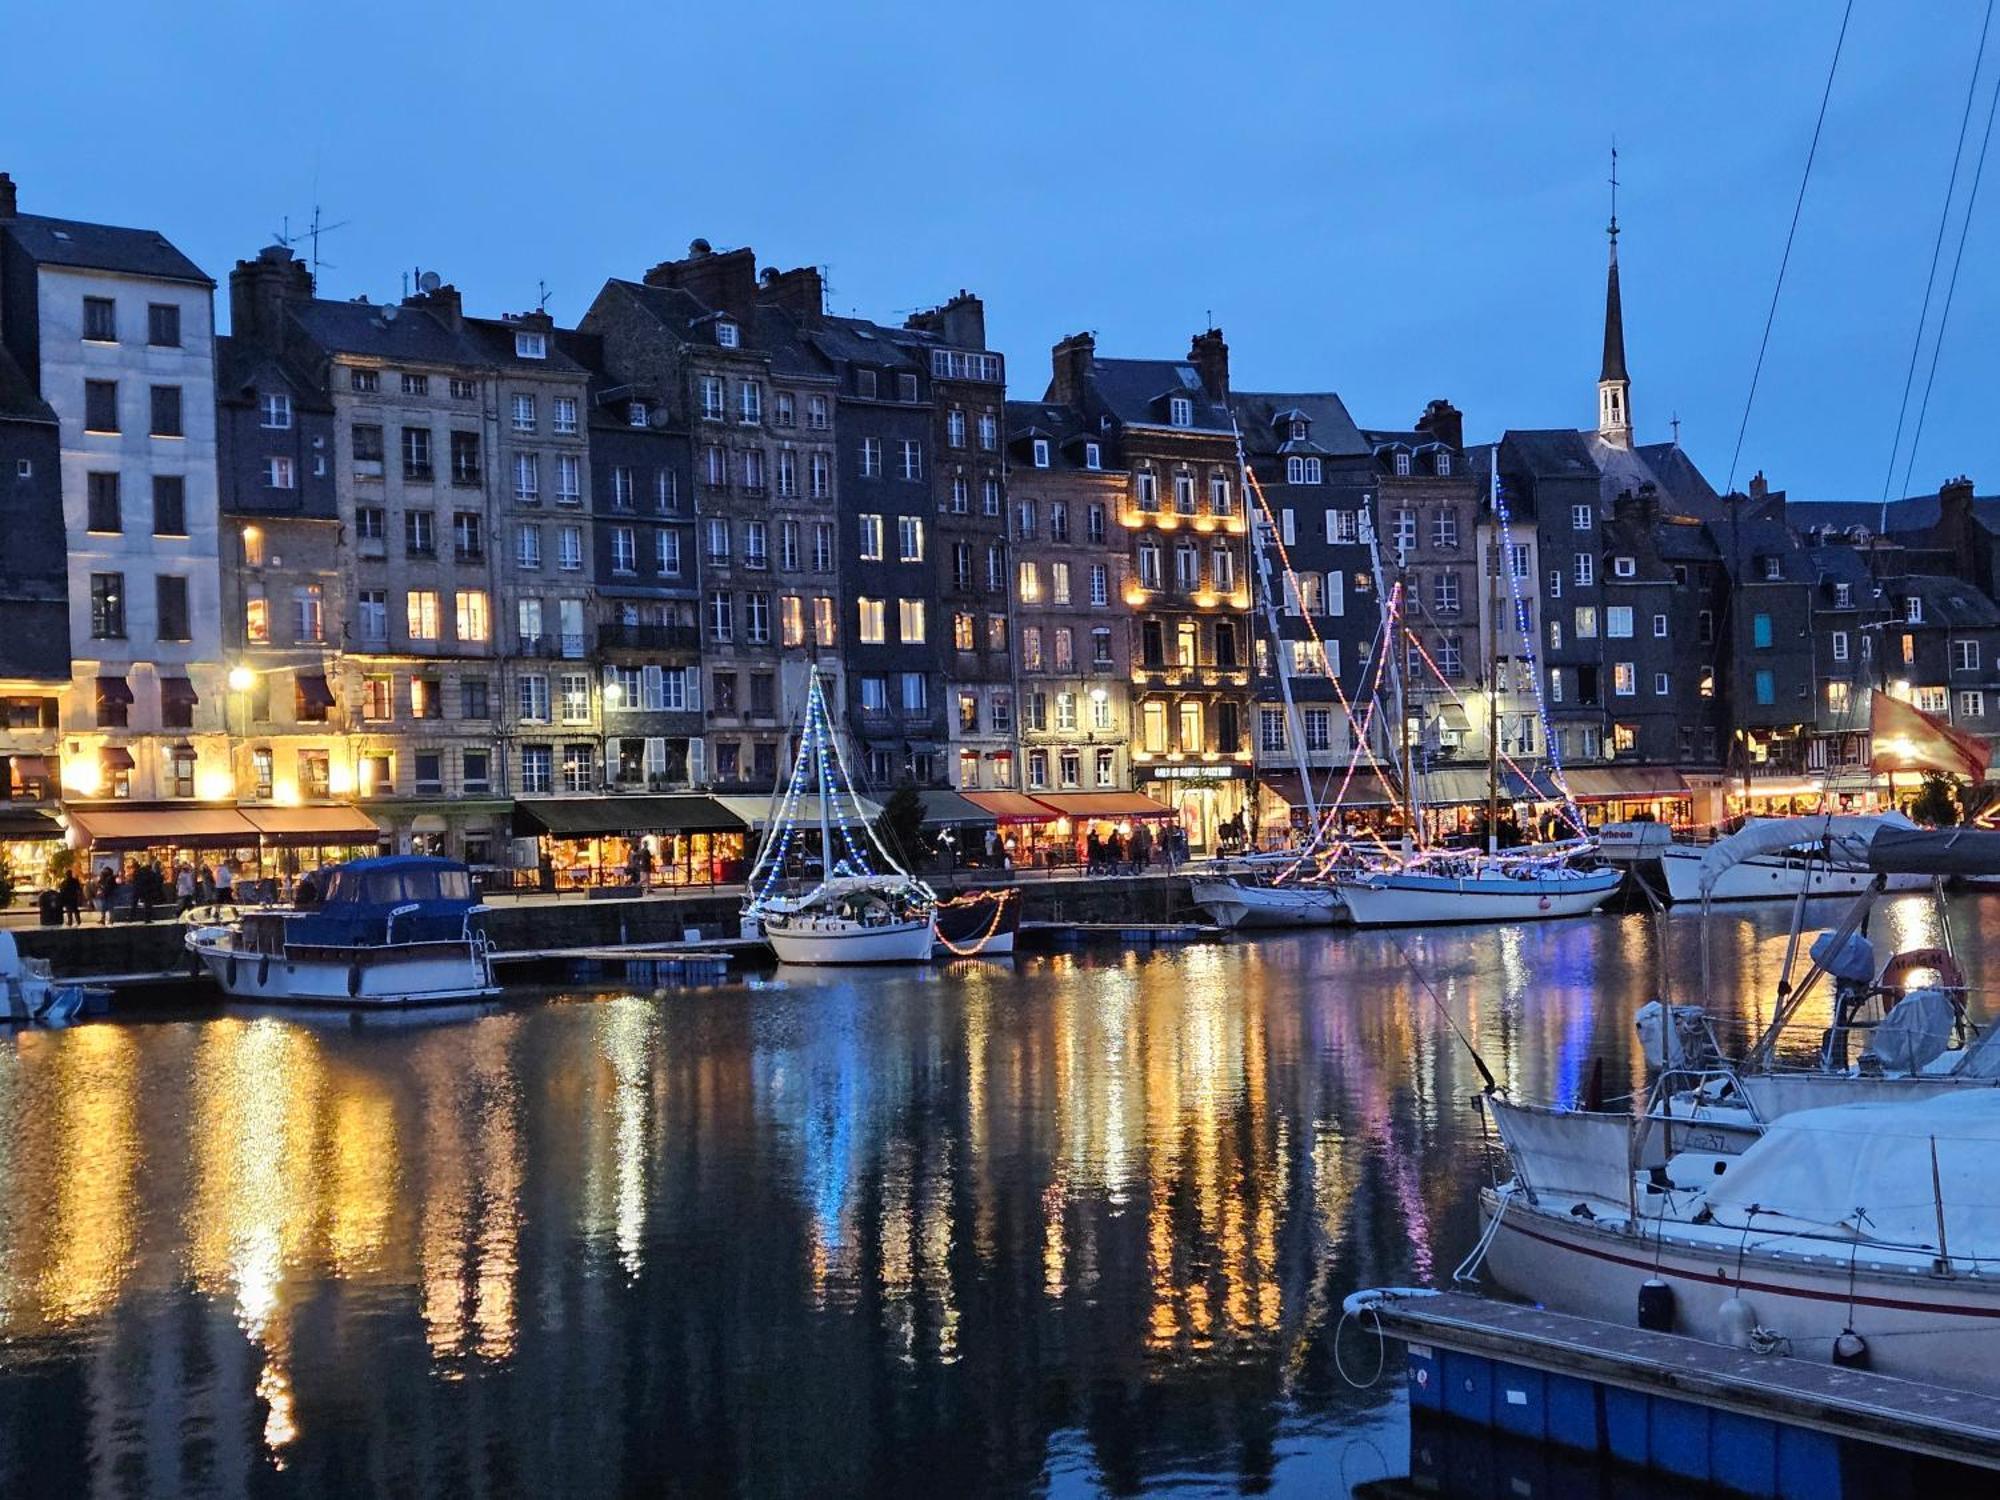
column 542, row 302
column 310, row 236
column 1675, row 423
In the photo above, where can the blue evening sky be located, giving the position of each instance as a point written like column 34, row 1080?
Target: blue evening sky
column 1394, row 202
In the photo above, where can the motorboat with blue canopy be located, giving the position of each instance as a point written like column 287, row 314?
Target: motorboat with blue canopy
column 395, row 930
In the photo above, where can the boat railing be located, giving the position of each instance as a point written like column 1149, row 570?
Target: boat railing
column 407, row 909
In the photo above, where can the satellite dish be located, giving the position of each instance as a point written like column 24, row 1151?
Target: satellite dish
column 430, row 281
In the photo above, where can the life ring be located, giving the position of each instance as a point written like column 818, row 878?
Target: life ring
column 354, row 977
column 1896, row 972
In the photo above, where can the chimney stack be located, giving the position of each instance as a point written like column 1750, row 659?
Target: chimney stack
column 1954, row 528
column 722, row 280
column 444, row 303
column 961, row 322
column 801, row 292
column 1211, row 357
column 259, row 290
column 1070, row 363
column 9, row 201
column 1759, row 485
column 1444, row 422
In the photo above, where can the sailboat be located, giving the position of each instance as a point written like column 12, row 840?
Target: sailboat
column 1422, row 884
column 864, row 908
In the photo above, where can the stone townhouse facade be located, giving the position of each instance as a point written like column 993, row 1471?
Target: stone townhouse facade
column 34, row 610
column 760, row 411
column 1072, row 645
column 1188, row 600
column 114, row 329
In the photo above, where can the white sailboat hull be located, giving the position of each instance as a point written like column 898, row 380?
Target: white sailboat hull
column 1231, row 903
column 835, row 940
column 1766, row 878
column 1404, row 899
column 1918, row 1325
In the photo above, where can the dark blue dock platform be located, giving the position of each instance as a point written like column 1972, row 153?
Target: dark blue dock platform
column 1767, row 1425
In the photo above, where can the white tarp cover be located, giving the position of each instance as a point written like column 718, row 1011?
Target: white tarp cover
column 1866, row 1169
column 1563, row 1155
column 1914, row 1033
column 1847, row 834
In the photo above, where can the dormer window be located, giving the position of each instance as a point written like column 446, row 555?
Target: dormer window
column 1295, row 470
column 1444, row 463
column 864, row 384
column 1774, row 569
column 1624, row 567
column 1180, row 411
column 636, row 414
column 1041, row 453
column 1843, row 595
column 1402, row 463
column 726, row 334
column 1093, row 456
column 1913, row 609
column 1298, row 431
column 531, row 346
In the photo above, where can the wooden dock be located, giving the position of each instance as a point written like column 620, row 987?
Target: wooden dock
column 1760, row 1424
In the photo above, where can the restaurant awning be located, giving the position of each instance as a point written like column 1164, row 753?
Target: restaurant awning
column 115, row 758
column 22, row 824
column 30, row 767
column 114, row 690
column 145, row 828
column 1365, row 789
column 1454, row 786
column 178, row 692
column 311, row 827
column 1600, row 783
column 1535, row 785
column 950, row 807
column 1103, row 805
column 588, row 817
column 1011, row 807
column 754, row 812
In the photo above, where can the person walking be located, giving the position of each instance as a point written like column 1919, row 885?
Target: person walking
column 107, row 893
column 645, row 857
column 1094, row 853
column 71, row 895
column 184, row 887
column 1142, row 848
column 1114, row 851
column 225, row 883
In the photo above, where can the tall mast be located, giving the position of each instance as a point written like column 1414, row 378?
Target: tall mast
column 1392, row 642
column 1493, row 693
column 1258, row 524
column 817, row 725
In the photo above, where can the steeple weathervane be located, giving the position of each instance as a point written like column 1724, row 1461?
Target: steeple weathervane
column 1614, row 387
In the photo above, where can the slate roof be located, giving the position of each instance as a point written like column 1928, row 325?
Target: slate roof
column 1134, row 390
column 1064, row 426
column 858, row 341
column 103, row 247
column 1552, row 452
column 1914, row 513
column 383, row 331
column 1684, row 540
column 494, row 338
column 242, row 368
column 1950, row 602
column 18, row 401
column 1332, row 432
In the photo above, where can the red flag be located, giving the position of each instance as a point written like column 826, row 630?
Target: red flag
column 1905, row 738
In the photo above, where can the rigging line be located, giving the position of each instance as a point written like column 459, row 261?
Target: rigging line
column 1951, row 286
column 1771, row 317
column 1930, row 281
column 1492, row 1084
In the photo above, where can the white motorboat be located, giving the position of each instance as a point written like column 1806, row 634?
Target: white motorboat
column 1867, row 1227
column 854, row 920
column 29, row 991
column 1243, row 901
column 1468, row 888
column 856, row 913
column 402, row 930
column 1774, row 858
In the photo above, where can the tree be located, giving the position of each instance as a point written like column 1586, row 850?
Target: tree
column 1936, row 802
column 900, row 828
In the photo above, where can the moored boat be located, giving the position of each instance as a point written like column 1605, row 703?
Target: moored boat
column 399, row 930
column 1242, row 901
column 854, row 920
column 1474, row 889
column 1776, row 858
column 978, row 923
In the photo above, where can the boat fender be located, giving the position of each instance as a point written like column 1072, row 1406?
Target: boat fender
column 1735, row 1321
column 354, row 977
column 1545, row 903
column 1850, row 1351
column 230, row 970
column 1368, row 1296
column 194, row 964
column 1656, row 1305
column 264, row 971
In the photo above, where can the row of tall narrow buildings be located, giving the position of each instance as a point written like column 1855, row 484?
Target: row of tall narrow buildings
column 434, row 566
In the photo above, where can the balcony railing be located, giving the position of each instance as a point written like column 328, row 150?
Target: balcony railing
column 618, row 636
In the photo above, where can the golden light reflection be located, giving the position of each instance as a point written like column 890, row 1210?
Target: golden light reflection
column 97, row 1152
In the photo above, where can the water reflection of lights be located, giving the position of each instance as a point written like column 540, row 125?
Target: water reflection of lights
column 625, row 1035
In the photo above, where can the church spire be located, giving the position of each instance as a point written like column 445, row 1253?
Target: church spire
column 1614, row 386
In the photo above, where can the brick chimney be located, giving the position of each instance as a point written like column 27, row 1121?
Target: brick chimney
column 725, row 281
column 10, row 207
column 1641, row 506
column 444, row 304
column 258, row 291
column 800, row 292
column 961, row 322
column 1211, row 357
column 1759, row 485
column 1954, row 527
column 1444, row 422
column 1070, row 363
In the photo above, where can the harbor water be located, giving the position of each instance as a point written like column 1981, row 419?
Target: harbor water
column 1073, row 1224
